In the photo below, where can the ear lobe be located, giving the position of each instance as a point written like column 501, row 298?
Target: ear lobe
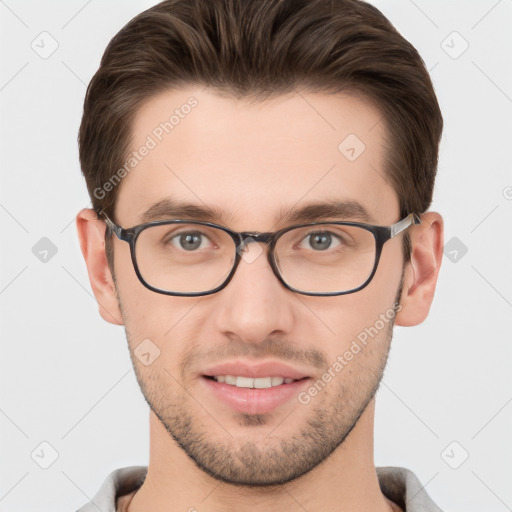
column 91, row 234
column 421, row 272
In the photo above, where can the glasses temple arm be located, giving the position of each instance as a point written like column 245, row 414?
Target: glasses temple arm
column 403, row 224
column 117, row 230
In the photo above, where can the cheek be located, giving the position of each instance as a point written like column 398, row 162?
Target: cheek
column 148, row 317
column 126, row 278
column 343, row 318
column 155, row 316
column 386, row 281
column 159, row 329
column 141, row 307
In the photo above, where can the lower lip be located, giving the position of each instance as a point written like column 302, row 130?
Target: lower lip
column 254, row 401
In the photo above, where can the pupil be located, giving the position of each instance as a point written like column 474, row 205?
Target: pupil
column 190, row 242
column 321, row 241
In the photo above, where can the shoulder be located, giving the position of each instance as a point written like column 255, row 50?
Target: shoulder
column 118, row 483
column 403, row 487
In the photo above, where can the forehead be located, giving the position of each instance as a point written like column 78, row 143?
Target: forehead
column 250, row 160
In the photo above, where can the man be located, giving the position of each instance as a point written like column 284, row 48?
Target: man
column 260, row 173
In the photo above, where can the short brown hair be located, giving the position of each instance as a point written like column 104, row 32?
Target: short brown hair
column 260, row 49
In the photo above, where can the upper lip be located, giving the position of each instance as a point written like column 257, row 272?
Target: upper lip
column 255, row 370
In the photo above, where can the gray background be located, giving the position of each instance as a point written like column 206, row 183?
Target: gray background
column 444, row 408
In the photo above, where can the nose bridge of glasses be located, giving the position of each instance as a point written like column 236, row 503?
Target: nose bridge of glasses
column 248, row 237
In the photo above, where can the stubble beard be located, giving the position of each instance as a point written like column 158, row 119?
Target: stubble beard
column 262, row 461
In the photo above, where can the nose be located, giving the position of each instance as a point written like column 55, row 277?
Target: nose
column 254, row 304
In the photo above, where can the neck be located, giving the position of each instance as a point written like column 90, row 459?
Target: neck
column 345, row 481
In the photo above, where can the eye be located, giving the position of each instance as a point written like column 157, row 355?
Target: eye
column 320, row 241
column 189, row 240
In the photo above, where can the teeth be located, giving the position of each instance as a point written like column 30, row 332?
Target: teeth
column 229, row 379
column 277, row 381
column 244, row 382
column 263, row 382
column 249, row 382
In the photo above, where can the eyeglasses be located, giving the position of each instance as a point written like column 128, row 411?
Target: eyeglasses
column 191, row 258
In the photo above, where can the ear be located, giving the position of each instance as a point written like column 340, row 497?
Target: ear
column 420, row 273
column 91, row 233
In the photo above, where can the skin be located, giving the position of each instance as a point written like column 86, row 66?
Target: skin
column 250, row 160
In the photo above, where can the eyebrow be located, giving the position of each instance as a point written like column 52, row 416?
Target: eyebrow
column 333, row 209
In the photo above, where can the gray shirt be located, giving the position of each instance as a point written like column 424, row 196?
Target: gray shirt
column 400, row 485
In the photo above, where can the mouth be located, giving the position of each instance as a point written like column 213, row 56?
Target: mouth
column 254, row 388
column 254, row 383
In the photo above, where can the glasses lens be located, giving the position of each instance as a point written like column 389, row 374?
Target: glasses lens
column 184, row 258
column 326, row 258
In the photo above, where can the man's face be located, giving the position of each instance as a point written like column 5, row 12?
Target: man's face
column 251, row 162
